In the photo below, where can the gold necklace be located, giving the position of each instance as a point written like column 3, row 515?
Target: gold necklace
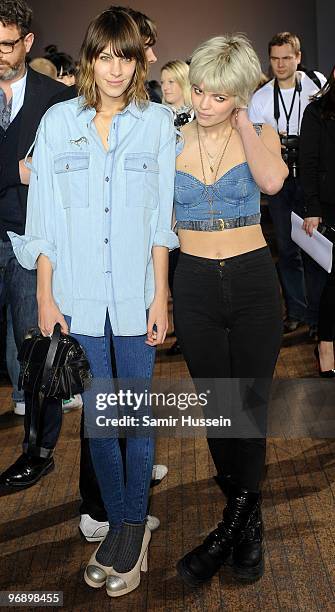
column 210, row 197
column 105, row 129
column 221, row 158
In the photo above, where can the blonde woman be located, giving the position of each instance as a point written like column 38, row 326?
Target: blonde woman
column 98, row 229
column 227, row 308
column 176, row 88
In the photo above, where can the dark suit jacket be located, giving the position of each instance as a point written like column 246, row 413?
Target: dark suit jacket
column 317, row 163
column 40, row 90
column 39, row 94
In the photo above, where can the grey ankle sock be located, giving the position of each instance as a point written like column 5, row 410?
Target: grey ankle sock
column 108, row 548
column 129, row 547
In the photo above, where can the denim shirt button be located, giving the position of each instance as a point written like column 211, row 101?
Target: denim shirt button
column 106, row 211
column 67, row 167
column 107, row 179
column 106, row 240
column 145, row 166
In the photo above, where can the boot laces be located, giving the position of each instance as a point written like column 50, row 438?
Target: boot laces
column 237, row 515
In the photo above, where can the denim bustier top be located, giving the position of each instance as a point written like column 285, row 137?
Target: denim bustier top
column 235, row 201
column 232, row 201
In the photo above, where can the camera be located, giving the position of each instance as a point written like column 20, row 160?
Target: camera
column 290, row 152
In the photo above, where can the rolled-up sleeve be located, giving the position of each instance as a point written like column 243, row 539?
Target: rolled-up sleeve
column 164, row 235
column 39, row 236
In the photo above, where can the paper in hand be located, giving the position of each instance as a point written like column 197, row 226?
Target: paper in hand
column 316, row 246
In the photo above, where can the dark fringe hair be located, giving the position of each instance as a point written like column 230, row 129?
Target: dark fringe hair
column 326, row 96
column 16, row 12
column 146, row 26
column 118, row 30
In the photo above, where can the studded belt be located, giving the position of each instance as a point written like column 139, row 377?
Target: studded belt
column 215, row 225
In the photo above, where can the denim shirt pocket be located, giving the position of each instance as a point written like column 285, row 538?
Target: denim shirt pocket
column 142, row 180
column 71, row 170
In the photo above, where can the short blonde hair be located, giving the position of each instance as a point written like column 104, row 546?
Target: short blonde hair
column 180, row 72
column 227, row 64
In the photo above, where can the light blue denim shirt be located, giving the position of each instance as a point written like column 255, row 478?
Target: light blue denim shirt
column 96, row 214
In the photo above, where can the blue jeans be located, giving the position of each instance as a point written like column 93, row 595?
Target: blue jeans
column 11, row 359
column 18, row 291
column 301, row 278
column 124, row 501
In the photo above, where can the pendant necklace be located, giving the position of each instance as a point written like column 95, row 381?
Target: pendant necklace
column 212, row 159
column 210, row 198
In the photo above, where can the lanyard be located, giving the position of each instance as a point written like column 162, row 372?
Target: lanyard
column 278, row 94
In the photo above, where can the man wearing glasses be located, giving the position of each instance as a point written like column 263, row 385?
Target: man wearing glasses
column 281, row 103
column 25, row 95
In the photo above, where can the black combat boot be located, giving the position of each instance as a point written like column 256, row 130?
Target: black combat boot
column 200, row 565
column 248, row 554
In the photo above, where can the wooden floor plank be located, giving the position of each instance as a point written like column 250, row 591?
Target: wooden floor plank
column 41, row 547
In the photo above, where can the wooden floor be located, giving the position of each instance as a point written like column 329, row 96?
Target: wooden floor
column 41, row 548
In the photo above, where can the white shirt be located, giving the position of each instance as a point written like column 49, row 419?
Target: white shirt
column 261, row 106
column 18, row 89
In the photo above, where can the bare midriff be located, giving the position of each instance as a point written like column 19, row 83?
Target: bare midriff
column 221, row 244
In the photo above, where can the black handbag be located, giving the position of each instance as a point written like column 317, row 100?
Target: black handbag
column 56, row 368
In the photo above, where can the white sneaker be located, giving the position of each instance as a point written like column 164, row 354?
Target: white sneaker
column 158, row 473
column 95, row 531
column 153, row 522
column 72, row 404
column 20, row 408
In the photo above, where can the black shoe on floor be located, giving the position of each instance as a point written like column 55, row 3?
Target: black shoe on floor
column 25, row 472
column 290, row 325
column 202, row 563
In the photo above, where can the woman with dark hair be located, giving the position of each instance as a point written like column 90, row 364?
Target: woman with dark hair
column 98, row 230
column 317, row 162
column 64, row 63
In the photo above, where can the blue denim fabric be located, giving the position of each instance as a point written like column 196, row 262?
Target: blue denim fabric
column 13, row 365
column 235, row 196
column 301, row 278
column 101, row 212
column 133, row 359
column 18, row 289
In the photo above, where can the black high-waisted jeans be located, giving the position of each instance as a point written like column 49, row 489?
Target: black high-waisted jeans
column 228, row 320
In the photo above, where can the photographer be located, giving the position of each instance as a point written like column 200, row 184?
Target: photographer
column 282, row 102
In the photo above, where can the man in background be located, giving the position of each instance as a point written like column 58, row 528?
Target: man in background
column 25, row 95
column 281, row 103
